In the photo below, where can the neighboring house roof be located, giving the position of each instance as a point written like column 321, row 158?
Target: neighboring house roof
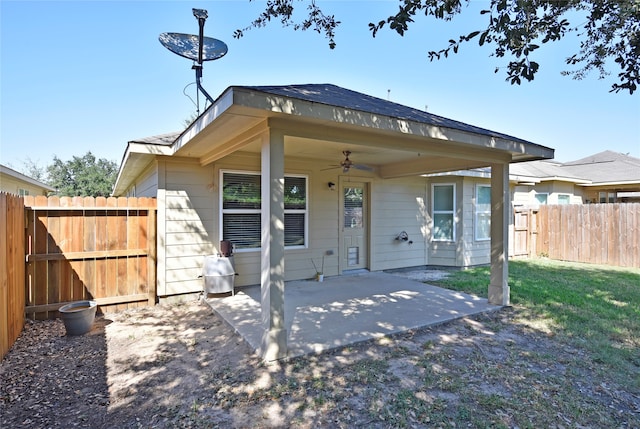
column 606, row 168
column 320, row 121
column 19, row 177
column 538, row 171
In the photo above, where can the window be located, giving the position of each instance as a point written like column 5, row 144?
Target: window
column 483, row 212
column 564, row 198
column 541, row 198
column 241, row 210
column 444, row 207
column 606, row 197
column 23, row 192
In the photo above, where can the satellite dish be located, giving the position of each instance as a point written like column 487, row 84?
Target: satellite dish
column 197, row 48
column 187, row 45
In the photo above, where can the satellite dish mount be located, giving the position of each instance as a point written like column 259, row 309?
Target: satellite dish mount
column 201, row 15
column 197, row 48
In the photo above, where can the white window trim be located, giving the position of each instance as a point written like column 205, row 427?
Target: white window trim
column 564, row 195
column 452, row 212
column 476, row 212
column 257, row 211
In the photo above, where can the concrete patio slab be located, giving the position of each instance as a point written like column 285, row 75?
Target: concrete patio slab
column 347, row 309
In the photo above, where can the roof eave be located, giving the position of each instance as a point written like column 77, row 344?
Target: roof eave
column 617, row 183
column 135, row 159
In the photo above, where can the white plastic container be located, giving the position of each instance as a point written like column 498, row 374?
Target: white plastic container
column 219, row 274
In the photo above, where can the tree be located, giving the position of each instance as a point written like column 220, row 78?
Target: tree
column 33, row 169
column 609, row 31
column 83, row 176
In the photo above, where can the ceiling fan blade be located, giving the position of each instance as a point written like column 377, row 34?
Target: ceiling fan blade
column 362, row 167
column 333, row 167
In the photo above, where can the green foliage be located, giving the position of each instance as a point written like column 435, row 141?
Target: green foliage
column 283, row 10
column 608, row 31
column 83, row 176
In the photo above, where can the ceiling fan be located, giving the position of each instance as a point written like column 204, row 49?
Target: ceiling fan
column 347, row 164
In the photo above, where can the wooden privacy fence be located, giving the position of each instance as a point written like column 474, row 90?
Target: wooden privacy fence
column 606, row 234
column 11, row 270
column 89, row 248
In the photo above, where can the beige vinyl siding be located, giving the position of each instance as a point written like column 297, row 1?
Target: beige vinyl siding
column 186, row 224
column 523, row 195
column 11, row 185
column 145, row 185
column 398, row 205
column 526, row 195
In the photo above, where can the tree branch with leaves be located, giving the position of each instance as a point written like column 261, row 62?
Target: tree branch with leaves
column 608, row 32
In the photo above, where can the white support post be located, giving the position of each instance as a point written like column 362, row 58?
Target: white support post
column 274, row 338
column 500, row 212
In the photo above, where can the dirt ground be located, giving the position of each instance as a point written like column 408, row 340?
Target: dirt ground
column 182, row 366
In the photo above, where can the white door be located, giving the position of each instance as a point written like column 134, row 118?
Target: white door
column 355, row 228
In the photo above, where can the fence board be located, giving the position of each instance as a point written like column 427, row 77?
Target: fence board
column 605, row 234
column 12, row 280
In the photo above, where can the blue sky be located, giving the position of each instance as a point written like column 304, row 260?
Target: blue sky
column 80, row 76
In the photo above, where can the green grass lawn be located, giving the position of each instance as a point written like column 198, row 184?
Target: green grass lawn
column 594, row 306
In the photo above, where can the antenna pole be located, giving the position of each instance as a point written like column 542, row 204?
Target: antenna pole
column 198, row 69
column 201, row 15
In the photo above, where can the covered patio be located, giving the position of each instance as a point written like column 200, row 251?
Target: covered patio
column 347, row 309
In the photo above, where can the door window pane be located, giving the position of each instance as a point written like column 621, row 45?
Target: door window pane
column 353, row 207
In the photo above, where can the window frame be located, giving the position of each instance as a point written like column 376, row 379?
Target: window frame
column 546, row 200
column 451, row 212
column 223, row 211
column 609, row 197
column 477, row 212
column 568, row 199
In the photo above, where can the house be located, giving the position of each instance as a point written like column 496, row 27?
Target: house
column 300, row 173
column 606, row 177
column 16, row 183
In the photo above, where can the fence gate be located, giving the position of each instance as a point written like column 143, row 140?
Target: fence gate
column 524, row 232
column 78, row 248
